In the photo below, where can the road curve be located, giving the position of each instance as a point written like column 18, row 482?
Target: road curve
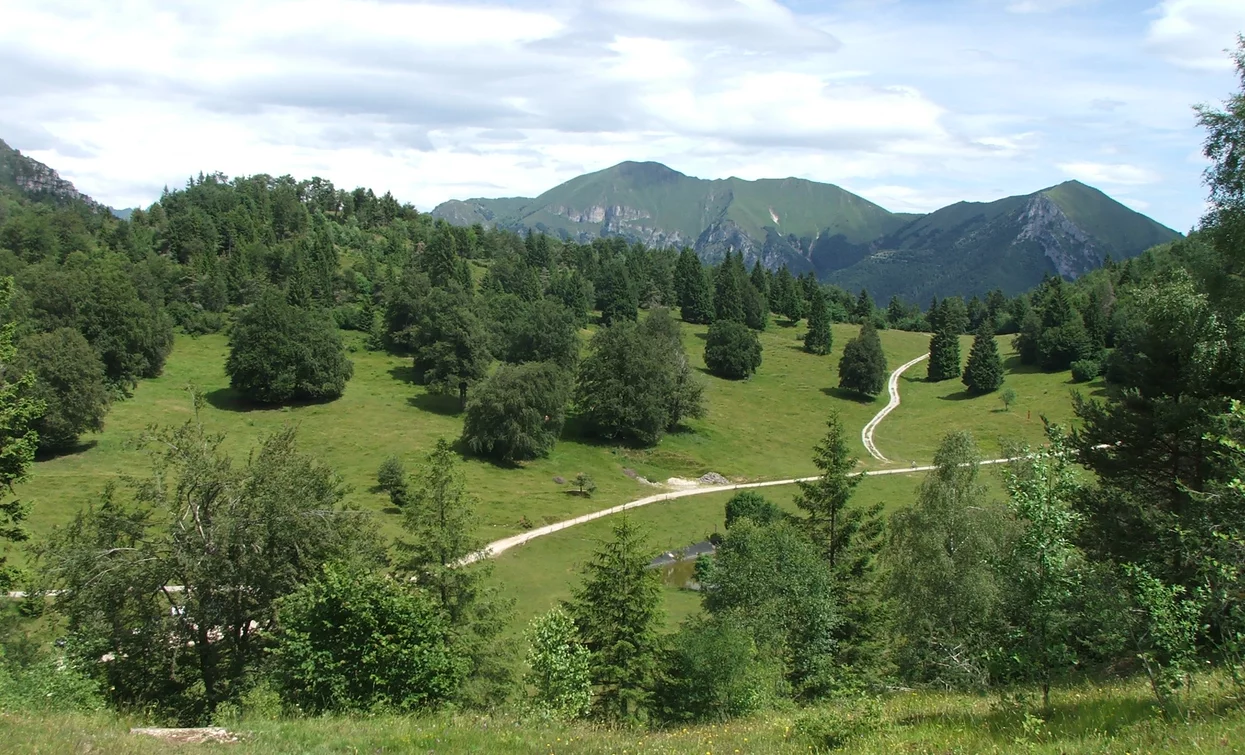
column 892, row 387
column 506, row 543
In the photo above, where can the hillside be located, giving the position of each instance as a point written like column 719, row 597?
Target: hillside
column 972, row 247
column 967, row 248
column 36, row 180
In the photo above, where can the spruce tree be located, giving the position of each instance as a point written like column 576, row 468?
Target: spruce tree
column 819, row 339
column 783, row 297
column 944, row 355
column 864, row 306
column 984, row 373
column 863, row 365
column 850, row 538
column 699, row 308
column 761, row 282
column 686, row 270
column 728, row 290
column 618, row 614
column 616, row 293
column 440, row 258
column 756, row 315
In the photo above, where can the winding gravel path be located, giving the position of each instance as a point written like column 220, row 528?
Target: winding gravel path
column 506, row 543
column 892, row 387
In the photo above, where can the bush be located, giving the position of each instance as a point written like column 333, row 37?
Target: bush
column 833, row 727
column 732, row 350
column 1085, row 370
column 49, row 684
column 352, row 317
column 713, row 671
column 518, row 413
column 280, row 353
column 391, row 478
column 356, row 641
column 751, row 505
column 559, row 667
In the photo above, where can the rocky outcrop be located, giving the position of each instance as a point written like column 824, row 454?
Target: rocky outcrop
column 1070, row 250
column 599, row 214
column 36, row 179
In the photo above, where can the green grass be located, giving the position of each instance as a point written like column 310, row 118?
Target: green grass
column 763, row 428
column 1115, row 718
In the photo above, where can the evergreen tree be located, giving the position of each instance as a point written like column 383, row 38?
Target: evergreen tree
column 984, row 373
column 864, row 307
column 850, row 537
column 784, row 298
column 756, row 314
column 819, row 339
column 863, row 365
column 618, row 614
column 954, row 315
column 728, row 290
column 616, row 293
column 450, row 345
column 732, row 350
column 896, row 312
column 687, row 271
column 440, row 257
column 944, row 355
column 700, row 302
column 760, row 282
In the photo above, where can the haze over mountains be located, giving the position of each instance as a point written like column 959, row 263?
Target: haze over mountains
column 966, row 248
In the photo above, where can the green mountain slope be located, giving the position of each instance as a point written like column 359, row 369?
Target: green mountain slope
column 971, row 247
column 36, row 180
column 965, row 248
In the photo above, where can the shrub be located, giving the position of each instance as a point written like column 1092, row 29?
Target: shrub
column 713, row 671
column 752, row 505
column 559, row 666
column 356, row 641
column 1085, row 370
column 732, row 350
column 48, row 684
column 391, row 478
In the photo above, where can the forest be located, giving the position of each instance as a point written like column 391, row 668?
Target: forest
column 221, row 585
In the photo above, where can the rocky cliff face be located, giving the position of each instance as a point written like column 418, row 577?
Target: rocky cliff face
column 1070, row 250
column 35, row 178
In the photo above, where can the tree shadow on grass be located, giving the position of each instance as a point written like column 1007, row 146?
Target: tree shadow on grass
column 47, row 454
column 229, row 400
column 957, row 396
column 848, row 395
column 703, row 336
column 436, row 403
column 1013, row 365
column 402, row 372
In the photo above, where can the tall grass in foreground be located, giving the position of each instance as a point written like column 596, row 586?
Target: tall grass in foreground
column 1114, row 718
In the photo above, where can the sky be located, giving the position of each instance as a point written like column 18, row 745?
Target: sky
column 911, row 104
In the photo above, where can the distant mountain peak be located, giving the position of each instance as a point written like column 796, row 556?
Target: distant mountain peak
column 644, row 172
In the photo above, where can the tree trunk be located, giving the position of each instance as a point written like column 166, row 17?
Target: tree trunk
column 462, row 395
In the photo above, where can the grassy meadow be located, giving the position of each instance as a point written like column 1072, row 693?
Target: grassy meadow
column 1115, row 718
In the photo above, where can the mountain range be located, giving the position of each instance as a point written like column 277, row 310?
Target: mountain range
column 967, row 248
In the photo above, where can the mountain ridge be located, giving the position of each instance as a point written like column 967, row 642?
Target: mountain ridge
column 1010, row 243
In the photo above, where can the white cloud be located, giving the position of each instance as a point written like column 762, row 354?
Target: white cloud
column 509, row 97
column 1105, row 173
column 1195, row 33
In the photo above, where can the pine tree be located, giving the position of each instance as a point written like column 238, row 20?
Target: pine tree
column 699, row 308
column 728, row 290
column 761, row 282
column 944, row 355
column 984, row 373
column 440, row 258
column 617, row 611
column 864, row 307
column 686, row 272
column 616, row 293
column 863, row 365
column 819, row 339
column 850, row 538
column 756, row 314
column 783, row 296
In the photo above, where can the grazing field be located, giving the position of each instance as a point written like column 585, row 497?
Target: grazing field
column 763, row 428
column 1119, row 717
